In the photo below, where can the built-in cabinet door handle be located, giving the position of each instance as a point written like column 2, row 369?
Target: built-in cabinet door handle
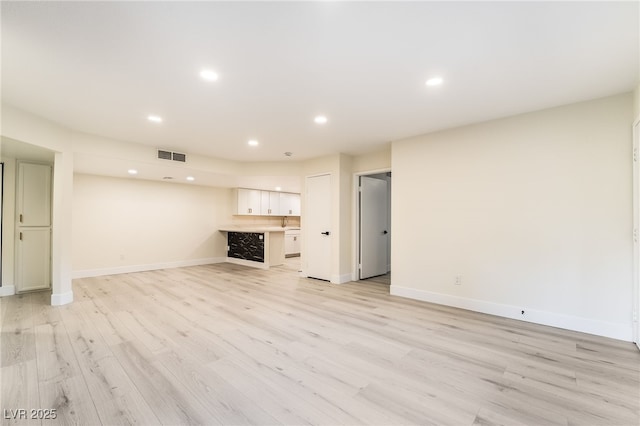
column 325, row 233
column 269, row 211
column 21, row 236
column 385, row 232
column 290, row 211
column 250, row 210
column 20, row 217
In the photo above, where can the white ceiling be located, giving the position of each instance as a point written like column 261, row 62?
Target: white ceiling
column 102, row 67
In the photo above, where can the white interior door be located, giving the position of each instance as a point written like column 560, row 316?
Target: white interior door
column 374, row 222
column 318, row 227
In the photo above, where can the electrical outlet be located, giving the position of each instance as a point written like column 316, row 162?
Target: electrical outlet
column 458, row 280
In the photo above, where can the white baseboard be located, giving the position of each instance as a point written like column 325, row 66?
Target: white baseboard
column 62, row 298
column 341, row 279
column 7, row 290
column 86, row 273
column 244, row 262
column 568, row 322
column 334, row 279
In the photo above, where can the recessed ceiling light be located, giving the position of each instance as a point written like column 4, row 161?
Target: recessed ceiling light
column 154, row 118
column 434, row 81
column 209, row 75
column 278, row 188
column 253, row 142
column 190, row 178
column 288, row 154
column 321, row 119
column 167, row 177
column 132, row 171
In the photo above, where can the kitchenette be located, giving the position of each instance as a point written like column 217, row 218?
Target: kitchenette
column 265, row 229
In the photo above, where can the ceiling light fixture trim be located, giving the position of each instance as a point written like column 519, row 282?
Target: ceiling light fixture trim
column 434, row 81
column 209, row 75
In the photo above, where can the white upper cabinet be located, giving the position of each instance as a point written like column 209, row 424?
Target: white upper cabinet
column 289, row 204
column 248, row 201
column 34, row 195
column 254, row 202
column 270, row 205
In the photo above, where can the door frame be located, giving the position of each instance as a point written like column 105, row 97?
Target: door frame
column 355, row 220
column 636, row 234
column 1, row 214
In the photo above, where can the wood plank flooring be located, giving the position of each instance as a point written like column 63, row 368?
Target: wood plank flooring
column 227, row 344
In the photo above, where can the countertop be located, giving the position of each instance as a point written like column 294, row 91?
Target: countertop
column 257, row 228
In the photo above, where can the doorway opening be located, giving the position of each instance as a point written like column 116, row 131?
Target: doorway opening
column 373, row 217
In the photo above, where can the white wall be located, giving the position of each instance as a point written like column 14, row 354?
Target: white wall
column 533, row 211
column 123, row 225
column 377, row 160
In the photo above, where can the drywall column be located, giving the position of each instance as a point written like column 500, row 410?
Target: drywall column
column 62, row 292
column 345, row 218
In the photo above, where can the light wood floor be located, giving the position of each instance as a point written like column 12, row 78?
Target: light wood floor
column 380, row 279
column 226, row 344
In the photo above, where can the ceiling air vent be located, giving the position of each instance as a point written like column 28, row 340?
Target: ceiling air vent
column 179, row 157
column 164, row 155
column 175, row 156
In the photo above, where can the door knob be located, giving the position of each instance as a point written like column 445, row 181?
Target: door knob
column 325, row 233
column 385, row 232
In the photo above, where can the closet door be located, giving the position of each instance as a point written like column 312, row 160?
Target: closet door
column 34, row 194
column 34, row 259
column 33, row 227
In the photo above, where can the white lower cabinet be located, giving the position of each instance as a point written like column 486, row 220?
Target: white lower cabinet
column 291, row 243
column 34, row 259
